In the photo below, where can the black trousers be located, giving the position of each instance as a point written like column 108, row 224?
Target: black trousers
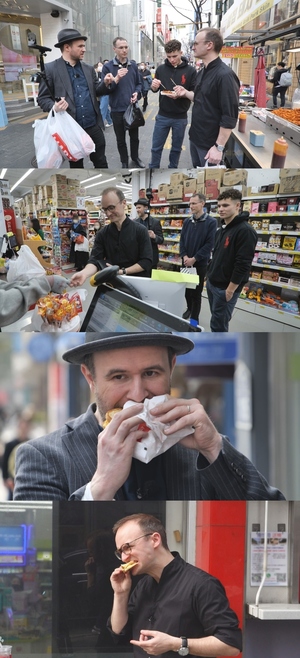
column 98, row 157
column 194, row 295
column 120, row 132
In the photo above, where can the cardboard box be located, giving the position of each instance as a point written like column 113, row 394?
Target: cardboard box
column 163, row 192
column 175, row 192
column 58, row 178
column 232, row 177
column 176, row 179
column 290, row 184
column 200, row 189
column 241, row 188
column 190, row 186
column 213, row 173
column 211, row 189
column 47, row 191
column 288, row 173
column 201, row 177
column 264, row 189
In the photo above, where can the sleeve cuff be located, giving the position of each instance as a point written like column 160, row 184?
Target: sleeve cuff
column 88, row 493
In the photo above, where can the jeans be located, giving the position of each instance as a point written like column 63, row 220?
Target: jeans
column 104, row 109
column 221, row 310
column 97, row 157
column 162, row 127
column 198, row 155
column 281, row 91
column 120, row 132
column 193, row 295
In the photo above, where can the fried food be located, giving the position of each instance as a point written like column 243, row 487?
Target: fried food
column 109, row 416
column 128, row 565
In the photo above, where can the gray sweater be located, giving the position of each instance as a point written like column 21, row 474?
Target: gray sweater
column 16, row 297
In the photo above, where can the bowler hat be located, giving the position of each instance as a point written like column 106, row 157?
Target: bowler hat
column 142, row 202
column 96, row 342
column 66, row 35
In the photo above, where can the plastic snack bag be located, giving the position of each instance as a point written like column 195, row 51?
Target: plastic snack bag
column 156, row 442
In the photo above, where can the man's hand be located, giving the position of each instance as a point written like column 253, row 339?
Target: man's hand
column 58, row 283
column 116, row 446
column 121, row 72
column 180, row 91
column 78, row 279
column 108, row 79
column 151, row 234
column 214, row 156
column 189, row 262
column 60, row 106
column 134, row 97
column 182, row 413
column 120, row 581
column 229, row 295
column 155, row 642
column 155, row 84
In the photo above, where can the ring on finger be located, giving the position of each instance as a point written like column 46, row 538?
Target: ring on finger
column 188, row 408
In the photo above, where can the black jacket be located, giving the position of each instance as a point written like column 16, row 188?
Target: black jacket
column 60, row 85
column 276, row 78
column 233, row 253
column 184, row 75
column 152, row 224
column 126, row 247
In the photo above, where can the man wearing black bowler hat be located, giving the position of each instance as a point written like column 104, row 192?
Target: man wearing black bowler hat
column 83, row 461
column 76, row 86
column 152, row 225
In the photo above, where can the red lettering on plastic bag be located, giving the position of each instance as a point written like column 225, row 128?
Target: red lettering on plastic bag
column 62, row 145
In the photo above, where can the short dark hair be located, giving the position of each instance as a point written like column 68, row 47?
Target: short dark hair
column 214, row 35
column 116, row 190
column 35, row 224
column 231, row 193
column 147, row 523
column 172, row 45
column 119, row 39
column 280, row 64
column 201, row 197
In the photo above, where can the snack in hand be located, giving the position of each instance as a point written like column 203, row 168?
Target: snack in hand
column 128, row 565
column 109, row 416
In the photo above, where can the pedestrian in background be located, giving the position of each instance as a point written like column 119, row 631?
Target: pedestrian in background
column 126, row 88
column 173, row 108
column 8, row 462
column 216, row 101
column 277, row 88
column 197, row 239
column 146, row 82
column 104, row 106
column 152, row 225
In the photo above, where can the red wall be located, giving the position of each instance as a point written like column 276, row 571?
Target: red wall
column 220, row 546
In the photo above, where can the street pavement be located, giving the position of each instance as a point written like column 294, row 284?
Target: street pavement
column 17, row 148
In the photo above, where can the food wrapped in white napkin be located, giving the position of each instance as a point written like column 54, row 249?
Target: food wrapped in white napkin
column 156, row 442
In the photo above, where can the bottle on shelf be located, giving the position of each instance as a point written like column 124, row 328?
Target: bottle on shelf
column 242, row 122
column 279, row 153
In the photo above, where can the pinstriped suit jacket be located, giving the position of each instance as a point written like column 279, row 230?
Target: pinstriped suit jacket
column 59, row 465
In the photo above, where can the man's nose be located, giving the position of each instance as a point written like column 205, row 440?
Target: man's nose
column 138, row 390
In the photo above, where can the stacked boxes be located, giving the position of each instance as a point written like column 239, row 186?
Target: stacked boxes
column 289, row 181
column 65, row 191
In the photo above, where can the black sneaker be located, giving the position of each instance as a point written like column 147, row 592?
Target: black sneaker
column 187, row 314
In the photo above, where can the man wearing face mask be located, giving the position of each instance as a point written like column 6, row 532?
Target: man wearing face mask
column 146, row 80
column 152, row 225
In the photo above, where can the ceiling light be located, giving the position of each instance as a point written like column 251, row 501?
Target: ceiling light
column 293, row 50
column 28, row 172
column 87, row 180
column 2, row 173
column 100, row 182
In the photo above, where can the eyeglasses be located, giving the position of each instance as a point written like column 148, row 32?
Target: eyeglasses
column 110, row 208
column 126, row 548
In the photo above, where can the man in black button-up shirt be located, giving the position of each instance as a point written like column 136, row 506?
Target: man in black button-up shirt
column 123, row 242
column 174, row 600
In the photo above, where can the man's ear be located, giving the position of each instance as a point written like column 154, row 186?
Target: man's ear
column 173, row 364
column 88, row 375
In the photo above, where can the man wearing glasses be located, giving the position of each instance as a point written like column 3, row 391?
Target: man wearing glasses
column 216, row 100
column 122, row 242
column 126, row 89
column 176, row 607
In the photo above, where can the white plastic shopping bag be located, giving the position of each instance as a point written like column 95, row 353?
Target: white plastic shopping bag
column 72, row 140
column 47, row 153
column 25, row 266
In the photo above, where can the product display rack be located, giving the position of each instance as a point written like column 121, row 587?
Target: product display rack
column 64, row 222
column 171, row 244
column 276, row 264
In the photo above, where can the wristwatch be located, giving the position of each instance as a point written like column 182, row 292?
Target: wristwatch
column 123, row 270
column 219, row 147
column 184, row 650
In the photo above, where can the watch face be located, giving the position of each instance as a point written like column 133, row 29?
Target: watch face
column 183, row 651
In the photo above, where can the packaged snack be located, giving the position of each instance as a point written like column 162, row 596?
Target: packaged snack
column 289, row 243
